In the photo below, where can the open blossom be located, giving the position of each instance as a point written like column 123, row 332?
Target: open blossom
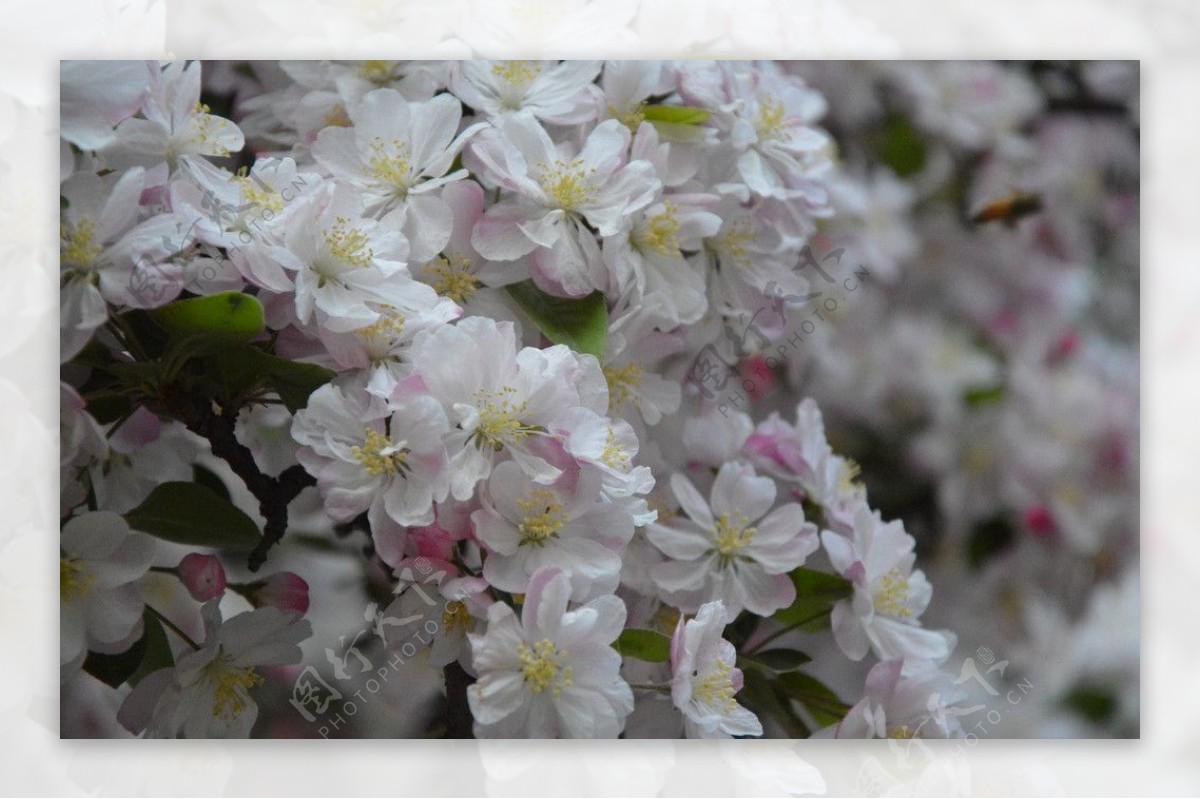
column 555, row 191
column 558, row 93
column 101, row 563
column 206, row 694
column 399, row 153
column 374, row 456
column 706, row 680
column 526, row 526
column 173, row 126
column 503, row 401
column 732, row 549
column 903, row 706
column 889, row 597
column 552, row 673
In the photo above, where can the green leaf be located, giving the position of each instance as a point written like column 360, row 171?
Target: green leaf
column 767, row 700
column 816, row 594
column 901, row 147
column 157, row 649
column 210, row 480
column 675, row 114
column 776, row 661
column 113, row 670
column 647, row 645
column 238, row 372
column 189, row 513
column 983, row 395
column 581, row 324
column 820, row 701
column 228, row 316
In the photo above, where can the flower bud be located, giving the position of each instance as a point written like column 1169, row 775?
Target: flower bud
column 202, row 575
column 283, row 590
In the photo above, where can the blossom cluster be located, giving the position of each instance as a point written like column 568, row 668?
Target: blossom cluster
column 526, row 340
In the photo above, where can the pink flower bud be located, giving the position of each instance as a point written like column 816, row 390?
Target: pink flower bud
column 1040, row 521
column 202, row 575
column 283, row 590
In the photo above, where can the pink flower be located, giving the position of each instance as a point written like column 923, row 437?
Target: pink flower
column 202, row 575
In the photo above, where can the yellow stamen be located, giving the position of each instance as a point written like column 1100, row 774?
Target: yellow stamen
column 348, row 244
column 659, row 234
column 258, row 193
column 376, row 71
column 516, row 73
column 734, row 244
column 544, row 517
column 892, row 595
column 631, row 117
column 732, row 536
column 454, row 279
column 499, row 419
column 542, row 667
column 379, row 455
column 78, row 245
column 622, row 383
column 567, row 185
column 455, row 617
column 74, row 579
column 716, row 688
column 771, row 118
column 231, row 685
column 391, row 164
column 614, row 456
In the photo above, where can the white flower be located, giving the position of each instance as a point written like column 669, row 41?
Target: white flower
column 348, row 268
column 527, row 526
column 722, row 554
column 399, row 153
column 368, row 455
column 207, row 692
column 552, row 92
column 889, row 597
column 95, row 95
column 101, row 563
column 557, row 191
column 174, row 126
column 706, row 679
column 904, row 707
column 552, row 673
column 503, row 401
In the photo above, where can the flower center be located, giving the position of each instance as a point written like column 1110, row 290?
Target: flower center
column 614, row 456
column 544, row 517
column 348, row 244
column 771, row 118
column 847, row 474
column 74, row 579
column 631, row 117
column 542, row 667
column 659, row 233
column 516, row 73
column 499, row 422
column 391, row 164
column 203, row 134
column 566, row 184
column 622, row 382
column 256, row 192
column 379, row 455
column 455, row 617
column 734, row 244
column 454, row 278
column 732, row 536
column 904, row 732
column 78, row 245
column 231, row 685
column 892, row 595
column 716, row 688
column 389, row 326
column 376, row 71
